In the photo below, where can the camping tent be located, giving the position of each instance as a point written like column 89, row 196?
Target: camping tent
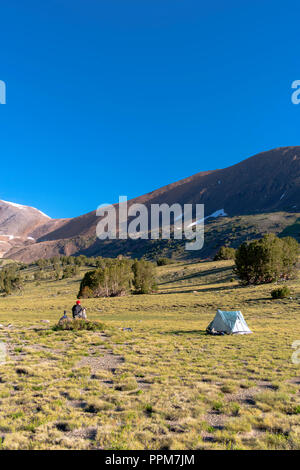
column 228, row 322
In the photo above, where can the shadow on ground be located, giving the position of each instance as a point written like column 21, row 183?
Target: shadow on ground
column 186, row 332
column 196, row 289
column 201, row 274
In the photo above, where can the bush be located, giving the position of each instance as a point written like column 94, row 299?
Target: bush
column 10, row 280
column 116, row 277
column 70, row 271
column 57, row 273
column 266, row 260
column 163, row 261
column 80, row 260
column 281, row 293
column 224, row 253
column 144, row 277
column 111, row 281
column 78, row 324
column 41, row 263
column 86, row 293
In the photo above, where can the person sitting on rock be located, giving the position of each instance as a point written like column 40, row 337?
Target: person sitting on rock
column 78, row 311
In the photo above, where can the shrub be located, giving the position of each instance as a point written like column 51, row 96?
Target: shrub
column 67, row 260
column 10, row 280
column 100, row 263
column 144, row 277
column 78, row 324
column 57, row 273
column 86, row 293
column 70, row 271
column 266, row 260
column 42, row 263
column 225, row 252
column 38, row 275
column 281, row 293
column 116, row 277
column 163, row 261
column 80, row 260
column 111, row 281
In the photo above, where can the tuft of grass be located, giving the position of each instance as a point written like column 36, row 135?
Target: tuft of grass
column 229, row 387
column 78, row 324
column 281, row 293
column 218, row 406
column 297, row 410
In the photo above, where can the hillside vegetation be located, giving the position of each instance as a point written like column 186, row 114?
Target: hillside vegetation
column 152, row 379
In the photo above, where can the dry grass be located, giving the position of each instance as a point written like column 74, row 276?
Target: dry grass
column 163, row 385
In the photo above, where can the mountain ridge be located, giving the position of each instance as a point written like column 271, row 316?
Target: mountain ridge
column 266, row 182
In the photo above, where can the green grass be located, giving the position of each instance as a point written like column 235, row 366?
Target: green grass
column 165, row 384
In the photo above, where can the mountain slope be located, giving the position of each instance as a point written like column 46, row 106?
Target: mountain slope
column 22, row 225
column 19, row 220
column 267, row 182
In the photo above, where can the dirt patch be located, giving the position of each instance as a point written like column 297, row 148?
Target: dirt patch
column 108, row 361
column 83, row 433
column 243, row 395
column 215, row 420
column 295, row 380
column 143, row 385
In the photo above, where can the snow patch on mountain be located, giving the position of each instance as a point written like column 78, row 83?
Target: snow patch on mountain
column 214, row 215
column 14, row 204
column 282, row 196
column 19, row 206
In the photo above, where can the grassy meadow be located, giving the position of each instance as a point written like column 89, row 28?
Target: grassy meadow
column 163, row 385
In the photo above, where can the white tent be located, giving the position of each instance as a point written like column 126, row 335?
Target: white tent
column 229, row 322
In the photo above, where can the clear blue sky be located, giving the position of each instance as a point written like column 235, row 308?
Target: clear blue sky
column 109, row 97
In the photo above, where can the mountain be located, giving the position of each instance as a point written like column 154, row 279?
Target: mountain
column 268, row 182
column 21, row 226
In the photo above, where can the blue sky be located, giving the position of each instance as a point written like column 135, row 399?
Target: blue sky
column 109, row 97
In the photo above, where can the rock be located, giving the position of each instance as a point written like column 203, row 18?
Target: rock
column 45, row 321
column 64, row 320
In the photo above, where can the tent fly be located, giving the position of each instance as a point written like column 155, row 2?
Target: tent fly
column 228, row 322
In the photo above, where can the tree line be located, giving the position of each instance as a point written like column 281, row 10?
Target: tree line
column 260, row 261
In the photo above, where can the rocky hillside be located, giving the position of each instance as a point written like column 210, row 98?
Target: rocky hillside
column 268, row 182
column 21, row 226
